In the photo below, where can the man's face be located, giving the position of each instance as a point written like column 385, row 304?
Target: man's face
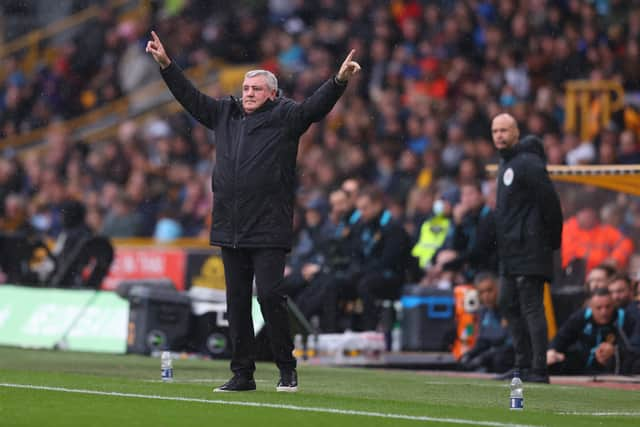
column 255, row 92
column 488, row 293
column 597, row 278
column 471, row 197
column 368, row 208
column 620, row 293
column 312, row 217
column 602, row 308
column 339, row 203
column 351, row 187
column 587, row 218
column 504, row 131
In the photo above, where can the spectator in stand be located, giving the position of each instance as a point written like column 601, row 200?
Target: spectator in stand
column 595, row 340
column 419, row 207
column 122, row 220
column 599, row 277
column 584, row 237
column 474, row 234
column 493, row 350
column 434, row 231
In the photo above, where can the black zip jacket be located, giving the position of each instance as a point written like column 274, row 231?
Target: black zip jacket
column 255, row 174
column 381, row 246
column 528, row 215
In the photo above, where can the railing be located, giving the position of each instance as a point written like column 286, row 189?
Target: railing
column 228, row 79
column 88, row 128
column 32, row 40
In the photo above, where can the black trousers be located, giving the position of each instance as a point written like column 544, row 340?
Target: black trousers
column 267, row 264
column 521, row 301
column 376, row 286
column 326, row 290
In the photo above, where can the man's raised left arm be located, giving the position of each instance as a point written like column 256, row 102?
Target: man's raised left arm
column 319, row 104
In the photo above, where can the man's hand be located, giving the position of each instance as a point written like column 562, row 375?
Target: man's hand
column 348, row 68
column 459, row 211
column 604, row 352
column 554, row 357
column 156, row 49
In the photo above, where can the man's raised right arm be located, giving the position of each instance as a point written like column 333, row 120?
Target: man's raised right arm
column 202, row 107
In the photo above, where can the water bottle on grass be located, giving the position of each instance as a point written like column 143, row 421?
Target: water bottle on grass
column 166, row 367
column 516, row 397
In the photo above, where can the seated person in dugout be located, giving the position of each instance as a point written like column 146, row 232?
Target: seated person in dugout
column 493, row 350
column 379, row 254
column 595, row 339
column 621, row 290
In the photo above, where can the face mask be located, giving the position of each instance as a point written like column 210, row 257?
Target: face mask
column 438, row 207
column 507, row 100
column 41, row 222
column 444, row 284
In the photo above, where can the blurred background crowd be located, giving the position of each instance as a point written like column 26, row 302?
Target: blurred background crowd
column 415, row 123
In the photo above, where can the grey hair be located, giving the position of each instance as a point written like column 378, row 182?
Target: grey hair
column 272, row 81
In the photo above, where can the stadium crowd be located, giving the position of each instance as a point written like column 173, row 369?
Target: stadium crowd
column 399, row 163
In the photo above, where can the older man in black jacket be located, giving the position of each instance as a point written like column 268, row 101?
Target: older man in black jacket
column 528, row 230
column 253, row 183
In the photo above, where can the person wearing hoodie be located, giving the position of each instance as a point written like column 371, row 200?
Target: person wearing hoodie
column 528, row 229
column 254, row 181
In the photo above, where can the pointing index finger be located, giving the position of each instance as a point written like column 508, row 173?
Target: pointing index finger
column 350, row 55
column 155, row 36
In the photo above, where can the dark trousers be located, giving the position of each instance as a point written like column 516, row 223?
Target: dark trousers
column 521, row 301
column 325, row 292
column 373, row 287
column 267, row 264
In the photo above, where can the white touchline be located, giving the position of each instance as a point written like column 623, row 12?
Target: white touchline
column 268, row 405
column 602, row 414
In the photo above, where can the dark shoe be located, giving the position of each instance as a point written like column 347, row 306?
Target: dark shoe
column 532, row 377
column 238, row 383
column 509, row 374
column 288, row 381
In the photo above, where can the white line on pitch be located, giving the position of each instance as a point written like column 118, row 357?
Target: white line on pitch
column 268, row 405
column 602, row 414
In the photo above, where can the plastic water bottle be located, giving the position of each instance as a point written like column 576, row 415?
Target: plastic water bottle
column 166, row 367
column 516, row 397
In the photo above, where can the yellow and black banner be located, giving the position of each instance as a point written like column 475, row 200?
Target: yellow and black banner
column 621, row 178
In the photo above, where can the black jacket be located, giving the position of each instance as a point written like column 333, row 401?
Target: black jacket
column 528, row 215
column 255, row 174
column 381, row 246
column 475, row 241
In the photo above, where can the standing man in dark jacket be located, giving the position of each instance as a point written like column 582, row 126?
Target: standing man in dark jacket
column 253, row 183
column 528, row 230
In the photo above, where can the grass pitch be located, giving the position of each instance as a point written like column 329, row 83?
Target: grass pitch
column 43, row 388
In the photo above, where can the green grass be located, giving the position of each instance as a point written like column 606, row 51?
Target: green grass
column 379, row 391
